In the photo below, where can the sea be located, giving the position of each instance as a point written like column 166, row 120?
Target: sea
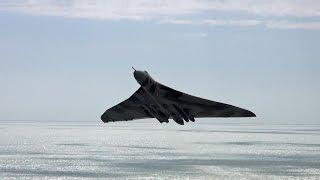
column 146, row 149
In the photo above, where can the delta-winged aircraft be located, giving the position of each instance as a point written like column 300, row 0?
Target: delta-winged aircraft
column 155, row 100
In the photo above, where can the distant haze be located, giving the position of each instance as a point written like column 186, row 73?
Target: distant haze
column 71, row 60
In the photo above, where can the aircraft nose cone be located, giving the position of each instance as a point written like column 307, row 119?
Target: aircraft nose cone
column 140, row 77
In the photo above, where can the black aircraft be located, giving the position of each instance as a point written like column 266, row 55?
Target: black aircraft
column 155, row 100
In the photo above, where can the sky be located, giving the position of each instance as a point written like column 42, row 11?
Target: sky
column 69, row 60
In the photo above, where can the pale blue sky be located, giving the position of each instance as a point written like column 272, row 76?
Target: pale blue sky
column 71, row 61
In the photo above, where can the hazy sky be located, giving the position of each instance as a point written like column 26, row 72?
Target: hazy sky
column 71, row 60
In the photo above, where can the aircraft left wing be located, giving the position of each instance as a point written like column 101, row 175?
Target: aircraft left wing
column 127, row 110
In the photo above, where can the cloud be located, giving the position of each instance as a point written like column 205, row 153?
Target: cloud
column 273, row 24
column 195, row 35
column 212, row 22
column 172, row 11
column 178, row 21
column 141, row 9
column 228, row 22
column 290, row 25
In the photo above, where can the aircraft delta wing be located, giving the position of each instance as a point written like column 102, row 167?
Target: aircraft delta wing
column 154, row 100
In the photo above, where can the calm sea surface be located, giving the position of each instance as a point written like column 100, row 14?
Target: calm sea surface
column 150, row 150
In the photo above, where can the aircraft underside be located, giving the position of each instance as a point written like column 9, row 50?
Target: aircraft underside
column 154, row 100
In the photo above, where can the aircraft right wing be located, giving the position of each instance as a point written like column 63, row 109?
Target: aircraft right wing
column 198, row 107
